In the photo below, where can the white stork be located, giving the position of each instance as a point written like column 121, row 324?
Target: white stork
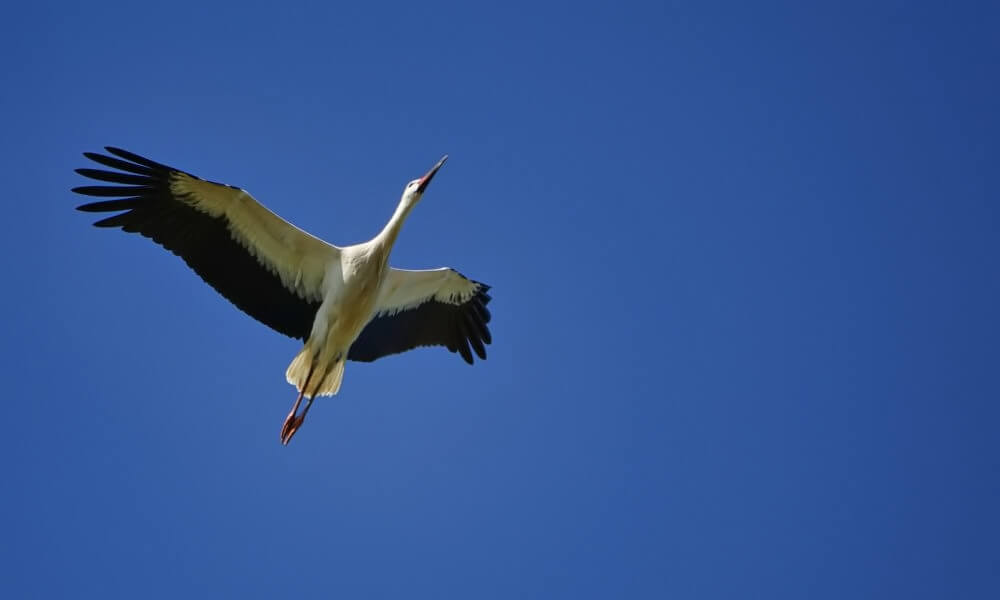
column 345, row 303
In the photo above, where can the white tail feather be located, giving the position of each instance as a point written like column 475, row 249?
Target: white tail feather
column 331, row 383
column 320, row 384
column 299, row 369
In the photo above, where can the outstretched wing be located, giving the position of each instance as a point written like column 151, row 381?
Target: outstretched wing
column 439, row 307
column 267, row 267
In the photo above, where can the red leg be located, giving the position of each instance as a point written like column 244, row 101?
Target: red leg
column 293, row 422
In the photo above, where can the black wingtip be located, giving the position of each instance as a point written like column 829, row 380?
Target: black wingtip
column 135, row 158
column 478, row 347
column 110, row 205
column 112, row 190
column 113, row 221
column 120, row 153
column 86, row 190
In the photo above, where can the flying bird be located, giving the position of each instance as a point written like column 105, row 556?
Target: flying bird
column 345, row 303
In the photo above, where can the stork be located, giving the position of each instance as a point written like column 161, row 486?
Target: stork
column 345, row 303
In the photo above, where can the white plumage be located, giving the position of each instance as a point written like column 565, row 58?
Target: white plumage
column 345, row 303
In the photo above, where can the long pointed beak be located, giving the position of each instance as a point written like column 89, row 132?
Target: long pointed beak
column 430, row 175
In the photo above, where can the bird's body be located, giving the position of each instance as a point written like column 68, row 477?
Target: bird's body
column 345, row 303
column 349, row 302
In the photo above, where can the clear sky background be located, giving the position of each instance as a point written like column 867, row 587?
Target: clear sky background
column 745, row 270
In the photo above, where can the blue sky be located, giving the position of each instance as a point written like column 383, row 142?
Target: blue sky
column 744, row 262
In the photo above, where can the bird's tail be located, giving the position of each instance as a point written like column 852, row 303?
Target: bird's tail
column 319, row 384
column 330, row 384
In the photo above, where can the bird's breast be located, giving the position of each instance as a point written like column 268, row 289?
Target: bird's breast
column 350, row 309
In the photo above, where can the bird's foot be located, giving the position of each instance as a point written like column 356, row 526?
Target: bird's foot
column 290, row 426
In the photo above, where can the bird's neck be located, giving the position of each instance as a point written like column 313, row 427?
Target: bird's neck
column 387, row 237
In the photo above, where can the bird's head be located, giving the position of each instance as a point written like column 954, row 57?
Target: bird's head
column 415, row 189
